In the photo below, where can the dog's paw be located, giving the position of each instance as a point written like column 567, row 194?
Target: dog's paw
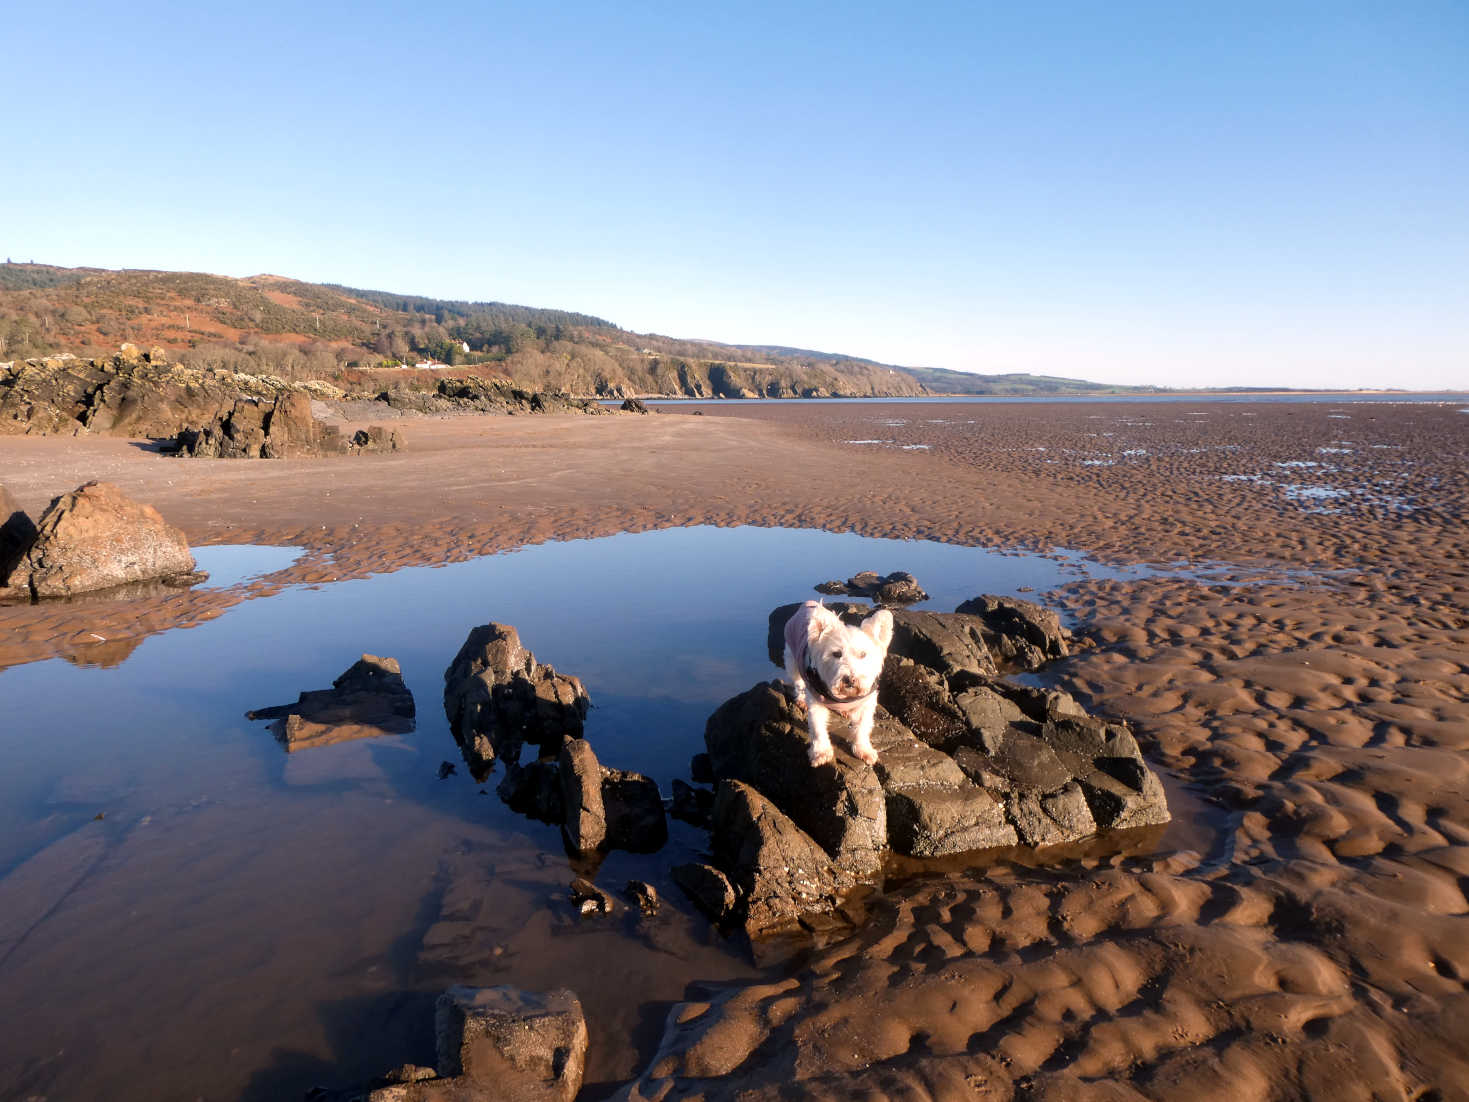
column 821, row 755
column 866, row 753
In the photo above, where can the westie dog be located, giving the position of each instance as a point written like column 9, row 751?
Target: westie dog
column 835, row 669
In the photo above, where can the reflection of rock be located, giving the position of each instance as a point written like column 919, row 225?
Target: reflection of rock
column 96, row 537
column 498, row 698
column 283, row 429
column 369, row 699
column 897, row 588
column 966, row 762
column 1022, row 635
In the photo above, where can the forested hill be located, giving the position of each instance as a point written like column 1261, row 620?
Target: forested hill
column 281, row 326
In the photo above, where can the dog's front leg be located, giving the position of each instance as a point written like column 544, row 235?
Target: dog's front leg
column 820, row 751
column 862, row 732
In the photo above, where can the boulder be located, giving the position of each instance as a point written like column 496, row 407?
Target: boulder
column 605, row 808
column 518, row 1046
column 779, row 872
column 708, row 887
column 534, row 789
column 367, row 700
column 760, row 738
column 947, row 643
column 636, row 820
column 96, row 537
column 585, row 825
column 1021, row 634
column 497, row 697
column 634, row 405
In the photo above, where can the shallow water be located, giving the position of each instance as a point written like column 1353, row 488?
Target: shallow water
column 186, row 910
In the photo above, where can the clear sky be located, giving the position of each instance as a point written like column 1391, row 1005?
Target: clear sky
column 1192, row 194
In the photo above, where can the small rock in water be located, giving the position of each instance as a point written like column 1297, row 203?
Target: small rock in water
column 644, row 895
column 590, row 899
column 446, row 769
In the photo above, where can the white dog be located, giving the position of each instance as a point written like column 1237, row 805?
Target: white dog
column 835, row 669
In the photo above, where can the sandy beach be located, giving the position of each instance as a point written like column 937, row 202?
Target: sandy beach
column 1312, row 691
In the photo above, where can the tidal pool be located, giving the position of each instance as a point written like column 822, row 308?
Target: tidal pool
column 188, row 911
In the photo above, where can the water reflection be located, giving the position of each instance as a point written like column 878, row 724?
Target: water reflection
column 160, row 853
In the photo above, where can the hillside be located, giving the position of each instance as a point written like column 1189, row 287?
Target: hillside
column 280, row 326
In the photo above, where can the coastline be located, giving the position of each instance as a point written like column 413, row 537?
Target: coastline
column 1319, row 938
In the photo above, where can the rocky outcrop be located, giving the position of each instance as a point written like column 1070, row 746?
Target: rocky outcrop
column 283, row 429
column 476, row 395
column 967, row 761
column 369, row 699
column 499, row 1043
column 143, row 395
column 130, row 394
column 1022, row 635
column 897, row 588
column 96, row 537
column 497, row 698
column 634, row 405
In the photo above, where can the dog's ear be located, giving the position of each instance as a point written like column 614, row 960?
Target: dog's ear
column 821, row 620
column 880, row 626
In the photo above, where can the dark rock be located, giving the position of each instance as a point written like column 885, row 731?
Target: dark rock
column 446, row 770
column 634, row 405
column 367, row 700
column 635, row 819
column 760, row 738
column 946, row 643
column 535, row 790
column 897, row 588
column 919, row 699
column 513, row 1045
column 590, row 899
column 1048, row 820
column 497, row 698
column 585, row 823
column 17, row 533
column 692, row 805
column 644, row 895
column 779, row 871
column 709, row 888
column 933, row 809
column 96, row 537
column 1021, row 634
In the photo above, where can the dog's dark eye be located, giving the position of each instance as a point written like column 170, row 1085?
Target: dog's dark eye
column 836, row 654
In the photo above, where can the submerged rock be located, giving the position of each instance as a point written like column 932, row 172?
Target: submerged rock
column 897, row 588
column 367, row 700
column 97, row 537
column 497, row 698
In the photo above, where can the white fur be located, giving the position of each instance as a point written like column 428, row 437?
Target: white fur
column 849, row 660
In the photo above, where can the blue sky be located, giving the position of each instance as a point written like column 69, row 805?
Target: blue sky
column 1176, row 193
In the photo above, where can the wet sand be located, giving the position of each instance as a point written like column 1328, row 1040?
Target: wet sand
column 1316, row 946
